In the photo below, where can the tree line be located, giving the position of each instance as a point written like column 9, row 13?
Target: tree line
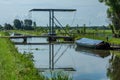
column 27, row 24
column 113, row 14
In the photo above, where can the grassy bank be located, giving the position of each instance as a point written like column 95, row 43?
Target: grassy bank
column 15, row 66
column 27, row 32
column 99, row 34
column 94, row 34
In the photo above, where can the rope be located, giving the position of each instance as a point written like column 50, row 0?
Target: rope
column 74, row 16
column 29, row 46
column 58, row 50
column 73, row 60
column 61, row 55
column 61, row 26
column 29, row 15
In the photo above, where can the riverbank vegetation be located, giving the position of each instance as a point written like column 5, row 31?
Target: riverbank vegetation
column 17, row 66
column 102, row 33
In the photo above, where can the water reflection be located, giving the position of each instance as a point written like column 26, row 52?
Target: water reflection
column 113, row 71
column 93, row 52
column 87, row 65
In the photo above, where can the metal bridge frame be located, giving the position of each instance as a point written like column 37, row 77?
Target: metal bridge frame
column 51, row 33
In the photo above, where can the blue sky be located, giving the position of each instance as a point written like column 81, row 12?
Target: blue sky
column 89, row 12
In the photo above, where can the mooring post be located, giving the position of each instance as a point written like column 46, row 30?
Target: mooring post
column 49, row 40
column 51, row 46
column 52, row 56
column 52, row 30
column 25, row 40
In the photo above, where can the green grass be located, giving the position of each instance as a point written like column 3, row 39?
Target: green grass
column 101, row 35
column 60, row 75
column 114, row 41
column 94, row 34
column 27, row 32
column 17, row 66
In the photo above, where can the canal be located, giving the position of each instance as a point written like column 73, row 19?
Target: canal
column 89, row 64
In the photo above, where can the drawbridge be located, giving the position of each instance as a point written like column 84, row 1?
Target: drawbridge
column 51, row 37
column 52, row 33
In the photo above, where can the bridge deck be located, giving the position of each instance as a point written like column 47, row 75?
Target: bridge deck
column 65, row 69
column 33, row 36
column 65, row 42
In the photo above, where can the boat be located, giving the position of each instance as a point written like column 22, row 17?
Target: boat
column 92, row 43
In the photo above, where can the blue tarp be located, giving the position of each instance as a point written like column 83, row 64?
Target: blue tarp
column 88, row 42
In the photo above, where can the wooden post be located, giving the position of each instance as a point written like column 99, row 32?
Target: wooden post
column 25, row 40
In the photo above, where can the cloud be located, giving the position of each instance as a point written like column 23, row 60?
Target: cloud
column 85, row 8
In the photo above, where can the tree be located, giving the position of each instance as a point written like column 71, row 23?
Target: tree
column 113, row 71
column 22, row 25
column 1, row 27
column 67, row 27
column 28, row 24
column 84, row 28
column 112, row 27
column 113, row 12
column 34, row 25
column 8, row 27
column 17, row 24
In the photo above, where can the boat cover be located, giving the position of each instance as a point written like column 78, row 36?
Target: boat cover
column 87, row 41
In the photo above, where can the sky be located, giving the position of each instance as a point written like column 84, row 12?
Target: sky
column 89, row 12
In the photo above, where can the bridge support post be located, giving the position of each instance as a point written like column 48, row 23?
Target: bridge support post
column 25, row 40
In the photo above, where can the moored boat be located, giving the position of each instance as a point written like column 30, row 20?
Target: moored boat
column 92, row 43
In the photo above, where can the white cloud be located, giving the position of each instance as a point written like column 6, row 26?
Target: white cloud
column 87, row 9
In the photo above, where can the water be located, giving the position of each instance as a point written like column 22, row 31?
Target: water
column 89, row 64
